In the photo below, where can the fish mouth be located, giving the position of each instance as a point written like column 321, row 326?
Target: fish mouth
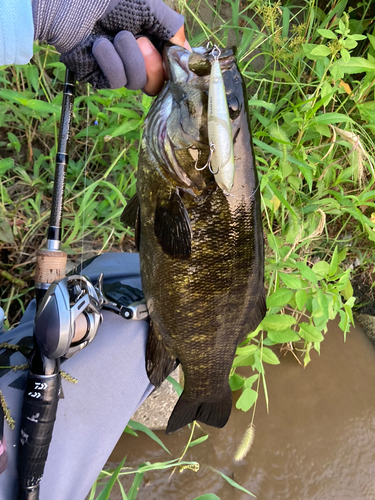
column 182, row 65
column 176, row 60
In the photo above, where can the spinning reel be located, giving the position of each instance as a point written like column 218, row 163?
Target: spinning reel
column 71, row 314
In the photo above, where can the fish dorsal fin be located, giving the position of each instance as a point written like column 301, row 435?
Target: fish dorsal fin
column 172, row 227
column 130, row 213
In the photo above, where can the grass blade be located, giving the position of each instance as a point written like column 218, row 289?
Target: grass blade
column 136, row 426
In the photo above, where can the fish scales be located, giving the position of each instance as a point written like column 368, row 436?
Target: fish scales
column 201, row 251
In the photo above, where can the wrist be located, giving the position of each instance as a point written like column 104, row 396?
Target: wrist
column 16, row 32
column 66, row 23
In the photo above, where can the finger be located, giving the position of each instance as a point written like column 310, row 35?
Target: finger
column 179, row 39
column 154, row 66
column 109, row 62
column 132, row 60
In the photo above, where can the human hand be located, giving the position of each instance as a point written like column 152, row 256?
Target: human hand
column 97, row 39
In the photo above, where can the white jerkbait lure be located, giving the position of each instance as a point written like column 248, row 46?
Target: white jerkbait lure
column 219, row 128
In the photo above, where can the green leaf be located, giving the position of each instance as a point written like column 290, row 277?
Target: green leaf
column 345, row 55
column 177, row 387
column 104, row 495
column 126, row 127
column 32, row 74
column 301, row 297
column 323, row 130
column 269, row 356
column 347, row 292
column 17, row 97
column 327, row 34
column 130, row 431
column 349, row 43
column 355, row 65
column 279, row 298
column 208, row 496
column 331, row 118
column 250, row 380
column 334, row 263
column 291, row 281
column 6, row 233
column 372, row 40
column 354, row 36
column 129, row 113
column 236, row 382
column 278, row 322
column 198, row 441
column 5, row 165
column 133, row 492
column 307, row 272
column 247, row 399
column 262, row 104
column 140, row 427
column 277, row 193
column 321, row 269
column 247, row 350
column 287, row 335
column 321, row 50
column 310, row 333
column 323, row 302
column 43, row 106
column 233, row 483
column 243, row 361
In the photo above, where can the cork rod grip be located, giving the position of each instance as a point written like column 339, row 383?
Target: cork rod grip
column 50, row 266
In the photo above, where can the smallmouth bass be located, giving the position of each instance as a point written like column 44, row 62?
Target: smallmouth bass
column 201, row 251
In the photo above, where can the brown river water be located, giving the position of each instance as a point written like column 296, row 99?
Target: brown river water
column 316, row 443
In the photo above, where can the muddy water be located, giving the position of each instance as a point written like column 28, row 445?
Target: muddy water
column 316, row 443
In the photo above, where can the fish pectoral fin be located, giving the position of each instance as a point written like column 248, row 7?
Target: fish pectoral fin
column 160, row 362
column 129, row 215
column 172, row 227
column 215, row 411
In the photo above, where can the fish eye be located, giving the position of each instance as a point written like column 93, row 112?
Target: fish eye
column 234, row 106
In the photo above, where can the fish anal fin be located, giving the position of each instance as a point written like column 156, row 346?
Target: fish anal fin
column 215, row 411
column 160, row 362
column 172, row 227
column 258, row 312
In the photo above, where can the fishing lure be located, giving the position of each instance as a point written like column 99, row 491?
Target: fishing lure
column 219, row 128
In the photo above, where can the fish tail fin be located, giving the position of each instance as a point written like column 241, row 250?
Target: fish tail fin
column 213, row 412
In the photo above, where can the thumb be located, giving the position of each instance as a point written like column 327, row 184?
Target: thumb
column 179, row 39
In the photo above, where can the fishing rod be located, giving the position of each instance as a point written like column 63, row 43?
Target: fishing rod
column 67, row 319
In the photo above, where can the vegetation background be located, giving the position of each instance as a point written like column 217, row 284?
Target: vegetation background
column 310, row 72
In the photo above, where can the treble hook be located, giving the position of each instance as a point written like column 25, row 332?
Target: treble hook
column 208, row 163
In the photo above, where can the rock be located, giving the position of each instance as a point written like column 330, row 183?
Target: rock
column 368, row 323
column 154, row 413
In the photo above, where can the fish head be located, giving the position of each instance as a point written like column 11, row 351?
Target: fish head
column 179, row 116
column 189, row 80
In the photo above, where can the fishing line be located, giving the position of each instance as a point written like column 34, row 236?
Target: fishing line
column 84, row 177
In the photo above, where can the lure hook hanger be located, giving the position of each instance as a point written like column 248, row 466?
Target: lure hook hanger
column 215, row 52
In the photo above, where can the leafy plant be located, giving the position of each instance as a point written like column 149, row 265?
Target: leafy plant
column 310, row 75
